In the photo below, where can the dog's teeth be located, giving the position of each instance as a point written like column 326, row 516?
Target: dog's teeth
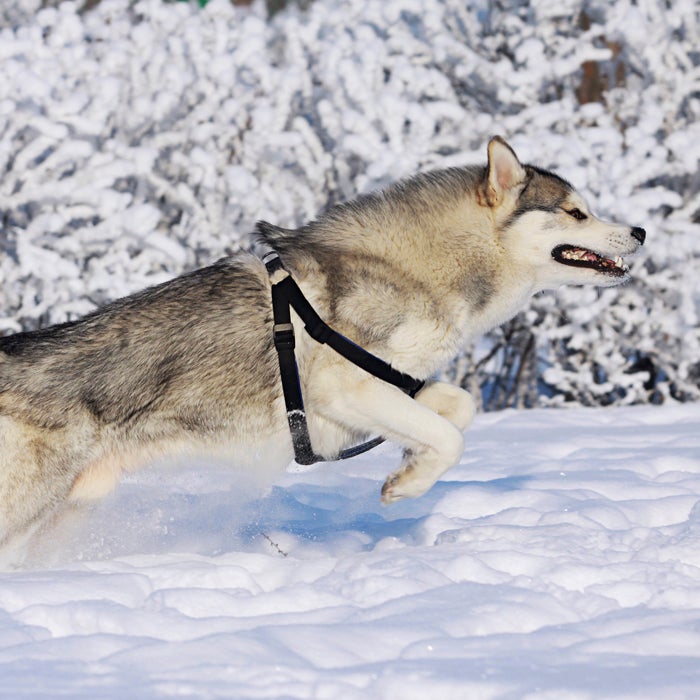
column 619, row 262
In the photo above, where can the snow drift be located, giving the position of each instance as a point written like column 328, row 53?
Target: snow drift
column 558, row 560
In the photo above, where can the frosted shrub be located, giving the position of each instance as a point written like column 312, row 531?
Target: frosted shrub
column 141, row 139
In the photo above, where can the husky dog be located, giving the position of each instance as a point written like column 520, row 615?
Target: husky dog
column 410, row 273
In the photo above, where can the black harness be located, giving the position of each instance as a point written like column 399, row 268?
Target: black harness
column 285, row 295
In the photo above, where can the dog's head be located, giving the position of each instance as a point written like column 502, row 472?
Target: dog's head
column 547, row 225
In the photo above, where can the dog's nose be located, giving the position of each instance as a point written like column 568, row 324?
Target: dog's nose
column 639, row 233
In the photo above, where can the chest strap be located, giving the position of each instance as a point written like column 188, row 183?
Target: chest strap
column 286, row 295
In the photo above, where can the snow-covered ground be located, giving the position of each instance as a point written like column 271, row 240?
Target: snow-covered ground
column 560, row 559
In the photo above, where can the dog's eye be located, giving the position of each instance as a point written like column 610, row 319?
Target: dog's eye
column 576, row 213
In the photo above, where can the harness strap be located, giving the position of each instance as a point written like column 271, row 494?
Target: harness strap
column 286, row 294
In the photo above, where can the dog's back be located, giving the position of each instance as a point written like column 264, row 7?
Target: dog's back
column 170, row 361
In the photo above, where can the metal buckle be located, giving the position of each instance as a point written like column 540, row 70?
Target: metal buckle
column 283, row 336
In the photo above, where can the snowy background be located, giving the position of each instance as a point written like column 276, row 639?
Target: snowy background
column 140, row 139
column 560, row 559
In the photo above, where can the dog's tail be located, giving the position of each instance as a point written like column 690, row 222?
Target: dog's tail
column 291, row 244
column 272, row 235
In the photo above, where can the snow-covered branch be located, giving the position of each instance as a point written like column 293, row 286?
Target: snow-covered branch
column 140, row 139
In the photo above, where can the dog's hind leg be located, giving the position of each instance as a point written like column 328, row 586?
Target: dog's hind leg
column 37, row 469
column 433, row 442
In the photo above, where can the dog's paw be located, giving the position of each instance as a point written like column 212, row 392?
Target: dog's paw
column 403, row 483
column 422, row 467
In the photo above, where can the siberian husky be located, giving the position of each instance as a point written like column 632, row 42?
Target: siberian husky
column 410, row 273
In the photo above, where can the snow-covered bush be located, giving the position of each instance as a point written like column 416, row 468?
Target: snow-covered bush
column 143, row 138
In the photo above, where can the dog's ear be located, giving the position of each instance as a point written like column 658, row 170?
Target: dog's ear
column 504, row 171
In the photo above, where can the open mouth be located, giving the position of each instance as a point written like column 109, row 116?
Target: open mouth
column 581, row 257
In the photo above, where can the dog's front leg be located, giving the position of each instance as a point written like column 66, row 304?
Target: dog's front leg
column 418, row 470
column 429, row 427
column 448, row 401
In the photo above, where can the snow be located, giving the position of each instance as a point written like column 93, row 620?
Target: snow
column 558, row 560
